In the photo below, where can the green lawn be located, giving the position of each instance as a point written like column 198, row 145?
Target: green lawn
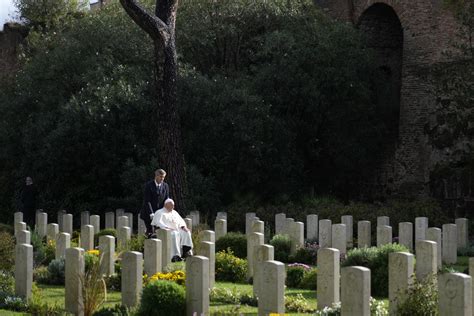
column 54, row 295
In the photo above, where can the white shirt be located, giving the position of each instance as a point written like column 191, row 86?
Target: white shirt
column 165, row 219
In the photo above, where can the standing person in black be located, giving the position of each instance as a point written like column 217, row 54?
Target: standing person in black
column 28, row 202
column 155, row 193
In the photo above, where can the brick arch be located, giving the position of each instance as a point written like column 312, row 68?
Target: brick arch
column 361, row 6
column 384, row 35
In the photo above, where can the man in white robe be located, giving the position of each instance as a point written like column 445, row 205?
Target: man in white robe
column 168, row 218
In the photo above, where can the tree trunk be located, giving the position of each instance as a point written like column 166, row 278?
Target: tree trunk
column 161, row 28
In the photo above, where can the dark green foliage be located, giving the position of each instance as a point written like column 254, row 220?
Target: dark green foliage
column 56, row 270
column 7, row 228
column 137, row 243
column 85, row 90
column 7, row 282
column 307, row 254
column 376, row 259
column 421, row 299
column 162, row 298
column 7, row 251
column 294, row 276
column 281, row 245
column 230, row 268
column 236, row 242
column 310, row 280
column 117, row 310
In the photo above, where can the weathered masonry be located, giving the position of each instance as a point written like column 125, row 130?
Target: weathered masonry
column 409, row 37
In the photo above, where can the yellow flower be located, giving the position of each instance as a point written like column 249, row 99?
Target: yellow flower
column 93, row 252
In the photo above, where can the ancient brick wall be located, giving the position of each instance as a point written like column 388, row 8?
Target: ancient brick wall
column 427, row 30
column 10, row 39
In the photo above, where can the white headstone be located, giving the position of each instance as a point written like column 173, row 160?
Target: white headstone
column 384, row 235
column 325, row 233
column 208, row 250
column 349, row 222
column 123, row 238
column 421, row 225
column 63, row 242
column 59, row 218
column 141, row 227
column 249, row 218
column 42, row 224
column 434, row 234
column 109, row 220
column 405, row 235
column 220, row 226
column 297, row 237
column 165, row 237
column 19, row 226
column 221, row 215
column 450, row 240
column 462, row 225
column 197, row 286
column 426, row 259
column 383, row 221
column 364, row 235
column 312, row 225
column 53, row 231
column 208, row 235
column 23, row 270
column 339, row 240
column 87, row 237
column 67, row 223
column 122, row 222
column 74, row 274
column 23, row 237
column 253, row 240
column 400, row 277
column 272, row 300
column 18, row 217
column 328, row 277
column 455, row 294
column 118, row 213
column 280, row 222
column 262, row 253
column 130, row 221
column 132, row 278
column 107, row 253
column 85, row 217
column 196, row 218
column 95, row 221
column 152, row 255
column 355, row 291
column 258, row 226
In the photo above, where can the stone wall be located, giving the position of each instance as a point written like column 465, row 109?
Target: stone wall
column 10, row 39
column 427, row 30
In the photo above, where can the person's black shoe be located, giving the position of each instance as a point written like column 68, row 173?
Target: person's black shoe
column 176, row 259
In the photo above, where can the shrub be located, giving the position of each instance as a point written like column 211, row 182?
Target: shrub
column 230, row 268
column 225, row 295
column 237, row 242
column 294, row 275
column 297, row 304
column 117, row 310
column 49, row 251
column 377, row 308
column 248, row 299
column 7, row 251
column 13, row 303
column 376, row 259
column 137, row 243
column 91, row 257
column 421, row 299
column 7, row 282
column 4, row 228
column 41, row 275
column 162, row 298
column 114, row 282
column 282, row 246
column 466, row 251
column 308, row 254
column 56, row 271
column 310, row 280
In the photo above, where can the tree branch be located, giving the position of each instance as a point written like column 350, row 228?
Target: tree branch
column 155, row 27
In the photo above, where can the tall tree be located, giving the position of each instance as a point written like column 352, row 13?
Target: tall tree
column 161, row 28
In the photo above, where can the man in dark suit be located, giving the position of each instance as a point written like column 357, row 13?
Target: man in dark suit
column 155, row 193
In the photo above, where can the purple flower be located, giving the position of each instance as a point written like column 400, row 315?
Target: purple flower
column 301, row 265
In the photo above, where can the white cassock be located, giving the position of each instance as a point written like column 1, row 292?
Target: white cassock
column 173, row 221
